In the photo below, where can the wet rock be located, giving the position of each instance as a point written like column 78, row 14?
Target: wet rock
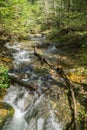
column 52, row 49
column 23, row 69
column 45, row 87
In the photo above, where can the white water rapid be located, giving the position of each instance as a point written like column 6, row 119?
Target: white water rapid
column 28, row 105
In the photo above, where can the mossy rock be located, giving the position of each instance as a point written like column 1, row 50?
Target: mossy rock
column 5, row 112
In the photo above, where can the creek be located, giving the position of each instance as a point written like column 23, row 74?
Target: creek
column 28, row 91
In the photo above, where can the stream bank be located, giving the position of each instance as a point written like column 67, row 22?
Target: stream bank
column 57, row 94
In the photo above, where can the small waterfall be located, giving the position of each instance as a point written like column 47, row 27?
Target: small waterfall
column 40, row 124
column 27, row 104
column 18, row 98
column 54, row 125
column 26, row 113
column 21, row 57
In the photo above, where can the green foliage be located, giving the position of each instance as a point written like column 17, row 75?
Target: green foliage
column 4, row 79
column 79, row 5
column 32, row 1
column 83, row 56
column 19, row 16
column 14, row 13
column 81, row 114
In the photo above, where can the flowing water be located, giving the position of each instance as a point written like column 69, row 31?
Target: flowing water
column 32, row 108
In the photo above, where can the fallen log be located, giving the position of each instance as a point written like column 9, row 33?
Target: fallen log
column 67, row 80
column 70, row 87
column 28, row 85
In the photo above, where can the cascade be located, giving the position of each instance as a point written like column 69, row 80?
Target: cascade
column 27, row 104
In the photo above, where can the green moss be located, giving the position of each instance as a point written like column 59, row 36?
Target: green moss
column 3, row 118
column 4, row 79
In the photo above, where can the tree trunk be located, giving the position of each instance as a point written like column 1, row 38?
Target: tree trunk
column 46, row 10
column 46, row 7
column 68, row 5
column 54, row 6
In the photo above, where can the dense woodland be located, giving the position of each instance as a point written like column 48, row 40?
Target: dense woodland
column 64, row 22
column 23, row 15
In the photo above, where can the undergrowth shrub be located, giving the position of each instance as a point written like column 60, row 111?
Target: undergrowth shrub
column 4, row 78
